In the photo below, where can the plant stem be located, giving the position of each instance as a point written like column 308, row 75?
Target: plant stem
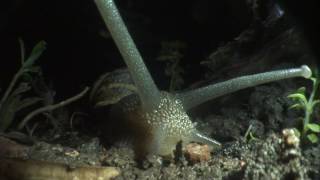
column 309, row 107
column 52, row 107
column 306, row 121
column 12, row 83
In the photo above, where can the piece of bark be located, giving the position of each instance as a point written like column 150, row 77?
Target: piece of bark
column 19, row 169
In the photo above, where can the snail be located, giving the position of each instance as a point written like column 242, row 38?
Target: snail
column 158, row 120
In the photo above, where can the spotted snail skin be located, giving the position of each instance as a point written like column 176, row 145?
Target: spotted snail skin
column 158, row 120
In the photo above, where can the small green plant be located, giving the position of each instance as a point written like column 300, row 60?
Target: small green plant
column 249, row 135
column 309, row 129
column 13, row 99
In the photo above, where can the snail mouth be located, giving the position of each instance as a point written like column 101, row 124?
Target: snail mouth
column 163, row 144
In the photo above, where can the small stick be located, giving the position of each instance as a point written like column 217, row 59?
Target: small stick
column 52, row 107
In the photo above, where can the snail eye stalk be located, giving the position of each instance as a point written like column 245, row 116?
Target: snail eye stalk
column 148, row 91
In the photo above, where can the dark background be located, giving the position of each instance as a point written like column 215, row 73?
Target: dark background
column 77, row 53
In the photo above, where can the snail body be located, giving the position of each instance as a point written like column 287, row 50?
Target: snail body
column 157, row 120
column 154, row 132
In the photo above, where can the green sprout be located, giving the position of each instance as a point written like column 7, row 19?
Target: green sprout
column 249, row 135
column 309, row 129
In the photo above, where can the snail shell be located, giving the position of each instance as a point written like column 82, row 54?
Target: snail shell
column 111, row 87
column 125, row 122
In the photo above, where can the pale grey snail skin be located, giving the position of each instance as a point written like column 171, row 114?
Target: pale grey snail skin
column 162, row 116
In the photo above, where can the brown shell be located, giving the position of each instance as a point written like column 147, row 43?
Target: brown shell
column 125, row 121
column 111, row 87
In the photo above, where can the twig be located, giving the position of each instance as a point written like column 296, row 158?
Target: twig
column 52, row 107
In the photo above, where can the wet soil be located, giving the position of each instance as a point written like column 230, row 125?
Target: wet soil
column 264, row 155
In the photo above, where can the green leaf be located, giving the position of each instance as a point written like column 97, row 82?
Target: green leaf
column 296, row 106
column 296, row 132
column 314, row 127
column 315, row 103
column 313, row 138
column 35, row 54
column 298, row 96
column 301, row 90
